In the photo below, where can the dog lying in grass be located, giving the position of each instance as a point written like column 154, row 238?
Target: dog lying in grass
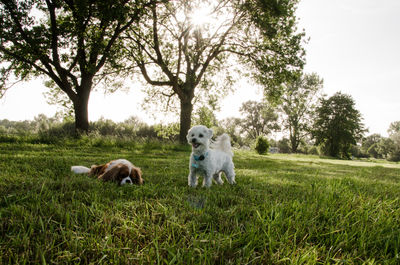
column 120, row 171
column 209, row 158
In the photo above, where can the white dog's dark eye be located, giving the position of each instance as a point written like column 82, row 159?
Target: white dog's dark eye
column 192, row 134
column 200, row 135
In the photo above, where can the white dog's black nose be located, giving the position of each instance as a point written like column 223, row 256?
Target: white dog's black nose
column 194, row 140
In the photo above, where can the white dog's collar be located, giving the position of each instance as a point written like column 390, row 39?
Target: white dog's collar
column 199, row 158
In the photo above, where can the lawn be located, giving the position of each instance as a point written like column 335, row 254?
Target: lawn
column 285, row 209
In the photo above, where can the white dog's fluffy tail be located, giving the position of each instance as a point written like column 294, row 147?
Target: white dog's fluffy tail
column 80, row 169
column 223, row 143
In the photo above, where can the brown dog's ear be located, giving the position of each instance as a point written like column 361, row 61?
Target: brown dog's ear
column 136, row 176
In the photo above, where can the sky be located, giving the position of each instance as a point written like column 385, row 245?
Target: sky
column 353, row 46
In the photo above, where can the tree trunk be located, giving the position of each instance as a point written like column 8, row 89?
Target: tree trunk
column 81, row 109
column 294, row 142
column 81, row 115
column 186, row 119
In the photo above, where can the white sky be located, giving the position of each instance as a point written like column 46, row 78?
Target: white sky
column 353, row 46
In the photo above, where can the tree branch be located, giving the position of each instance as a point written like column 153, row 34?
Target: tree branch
column 143, row 69
column 160, row 61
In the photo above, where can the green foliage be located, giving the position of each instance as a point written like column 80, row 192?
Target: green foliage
column 261, row 145
column 394, row 128
column 67, row 42
column 381, row 147
column 284, row 146
column 385, row 147
column 205, row 116
column 394, row 153
column 232, row 126
column 185, row 63
column 278, row 56
column 357, row 152
column 337, row 125
column 313, row 150
column 373, row 151
column 284, row 209
column 260, row 118
column 55, row 130
column 169, row 131
column 369, row 145
column 297, row 104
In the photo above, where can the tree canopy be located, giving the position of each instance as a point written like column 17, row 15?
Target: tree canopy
column 260, row 119
column 394, row 127
column 181, row 58
column 74, row 44
column 337, row 125
column 297, row 103
column 67, row 41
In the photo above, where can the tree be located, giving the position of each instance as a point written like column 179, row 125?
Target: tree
column 369, row 145
column 181, row 58
column 394, row 153
column 67, row 41
column 337, row 125
column 284, row 145
column 232, row 126
column 297, row 103
column 205, row 116
column 276, row 54
column 385, row 147
column 260, row 119
column 394, row 127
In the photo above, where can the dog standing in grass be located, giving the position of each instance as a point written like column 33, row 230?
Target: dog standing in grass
column 209, row 158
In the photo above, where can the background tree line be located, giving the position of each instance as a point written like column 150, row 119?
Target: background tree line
column 243, row 132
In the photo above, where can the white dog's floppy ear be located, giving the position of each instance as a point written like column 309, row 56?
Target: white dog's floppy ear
column 210, row 133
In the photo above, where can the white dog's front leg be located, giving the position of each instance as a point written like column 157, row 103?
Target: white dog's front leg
column 207, row 180
column 192, row 179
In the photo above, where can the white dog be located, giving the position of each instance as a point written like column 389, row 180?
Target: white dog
column 209, row 162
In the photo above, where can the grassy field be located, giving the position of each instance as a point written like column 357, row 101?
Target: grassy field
column 285, row 209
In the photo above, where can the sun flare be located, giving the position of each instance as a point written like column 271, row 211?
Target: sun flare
column 201, row 16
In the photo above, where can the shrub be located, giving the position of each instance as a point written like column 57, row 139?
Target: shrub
column 262, row 145
column 394, row 157
column 313, row 150
column 373, row 151
column 146, row 131
column 356, row 151
column 284, row 146
column 168, row 132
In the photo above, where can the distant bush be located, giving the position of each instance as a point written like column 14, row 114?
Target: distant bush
column 373, row 151
column 357, row 151
column 168, row 132
column 284, row 146
column 313, row 150
column 57, row 131
column 146, row 131
column 262, row 145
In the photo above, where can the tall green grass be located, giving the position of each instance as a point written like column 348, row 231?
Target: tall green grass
column 284, row 209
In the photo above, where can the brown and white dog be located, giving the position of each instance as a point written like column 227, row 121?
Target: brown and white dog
column 121, row 171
